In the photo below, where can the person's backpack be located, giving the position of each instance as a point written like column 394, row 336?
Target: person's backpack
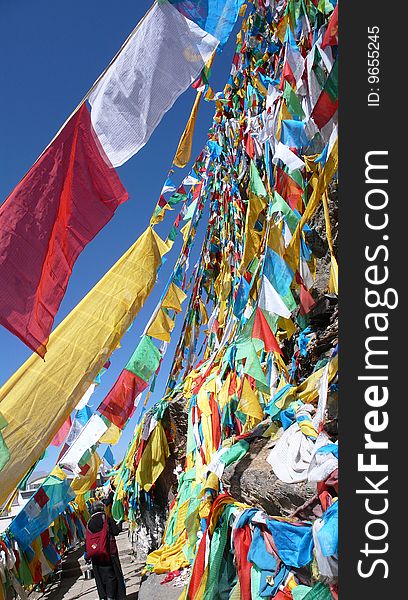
column 97, row 543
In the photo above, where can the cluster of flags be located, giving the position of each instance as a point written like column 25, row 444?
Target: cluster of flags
column 64, row 200
column 239, row 367
column 73, row 190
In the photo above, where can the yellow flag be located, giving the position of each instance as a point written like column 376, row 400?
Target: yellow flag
column 183, row 152
column 58, row 472
column 169, row 558
column 157, row 218
column 173, row 298
column 308, row 390
column 249, row 402
column 111, row 435
column 181, row 515
column 130, row 456
column 282, row 26
column 161, row 327
column 153, row 459
column 241, row 12
column 203, row 313
column 334, row 269
column 252, row 237
column 223, row 396
column 6, row 508
column 83, row 483
column 288, row 325
column 275, row 239
column 203, row 402
column 185, row 230
column 38, row 398
column 330, row 168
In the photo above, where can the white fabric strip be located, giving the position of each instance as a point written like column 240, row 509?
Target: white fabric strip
column 163, row 57
column 89, row 435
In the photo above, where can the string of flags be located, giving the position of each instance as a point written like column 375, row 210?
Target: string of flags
column 273, row 157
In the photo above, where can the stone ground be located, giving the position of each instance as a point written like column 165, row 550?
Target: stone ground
column 151, row 589
column 70, row 582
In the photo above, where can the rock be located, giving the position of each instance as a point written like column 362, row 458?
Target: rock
column 179, row 422
column 252, row 480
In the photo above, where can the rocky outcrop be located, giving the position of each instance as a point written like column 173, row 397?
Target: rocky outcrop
column 252, row 481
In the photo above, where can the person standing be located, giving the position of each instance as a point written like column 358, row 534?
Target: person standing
column 102, row 551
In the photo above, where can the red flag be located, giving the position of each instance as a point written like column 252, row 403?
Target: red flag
column 250, row 146
column 262, row 331
column 118, row 404
column 324, row 109
column 65, row 199
column 289, row 189
column 242, row 542
column 327, row 102
column 198, row 568
column 287, row 75
column 215, row 422
column 62, row 433
column 41, row 497
column 306, row 300
column 332, row 32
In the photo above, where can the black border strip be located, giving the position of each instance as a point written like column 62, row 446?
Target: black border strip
column 364, row 128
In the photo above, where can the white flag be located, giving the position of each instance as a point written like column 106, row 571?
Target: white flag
column 285, row 154
column 86, row 397
column 162, row 58
column 270, row 300
column 88, row 436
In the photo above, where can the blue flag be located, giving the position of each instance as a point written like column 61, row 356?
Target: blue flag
column 217, row 17
column 108, row 456
column 44, row 506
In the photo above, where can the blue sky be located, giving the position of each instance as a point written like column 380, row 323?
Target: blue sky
column 52, row 52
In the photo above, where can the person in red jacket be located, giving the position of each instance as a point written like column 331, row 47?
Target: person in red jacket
column 105, row 561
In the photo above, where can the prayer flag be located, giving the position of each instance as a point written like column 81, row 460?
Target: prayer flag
column 214, row 16
column 38, row 398
column 270, row 300
column 332, row 32
column 119, row 402
column 262, row 331
column 162, row 58
column 108, row 456
column 62, row 433
column 327, row 102
column 65, row 199
column 44, row 506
